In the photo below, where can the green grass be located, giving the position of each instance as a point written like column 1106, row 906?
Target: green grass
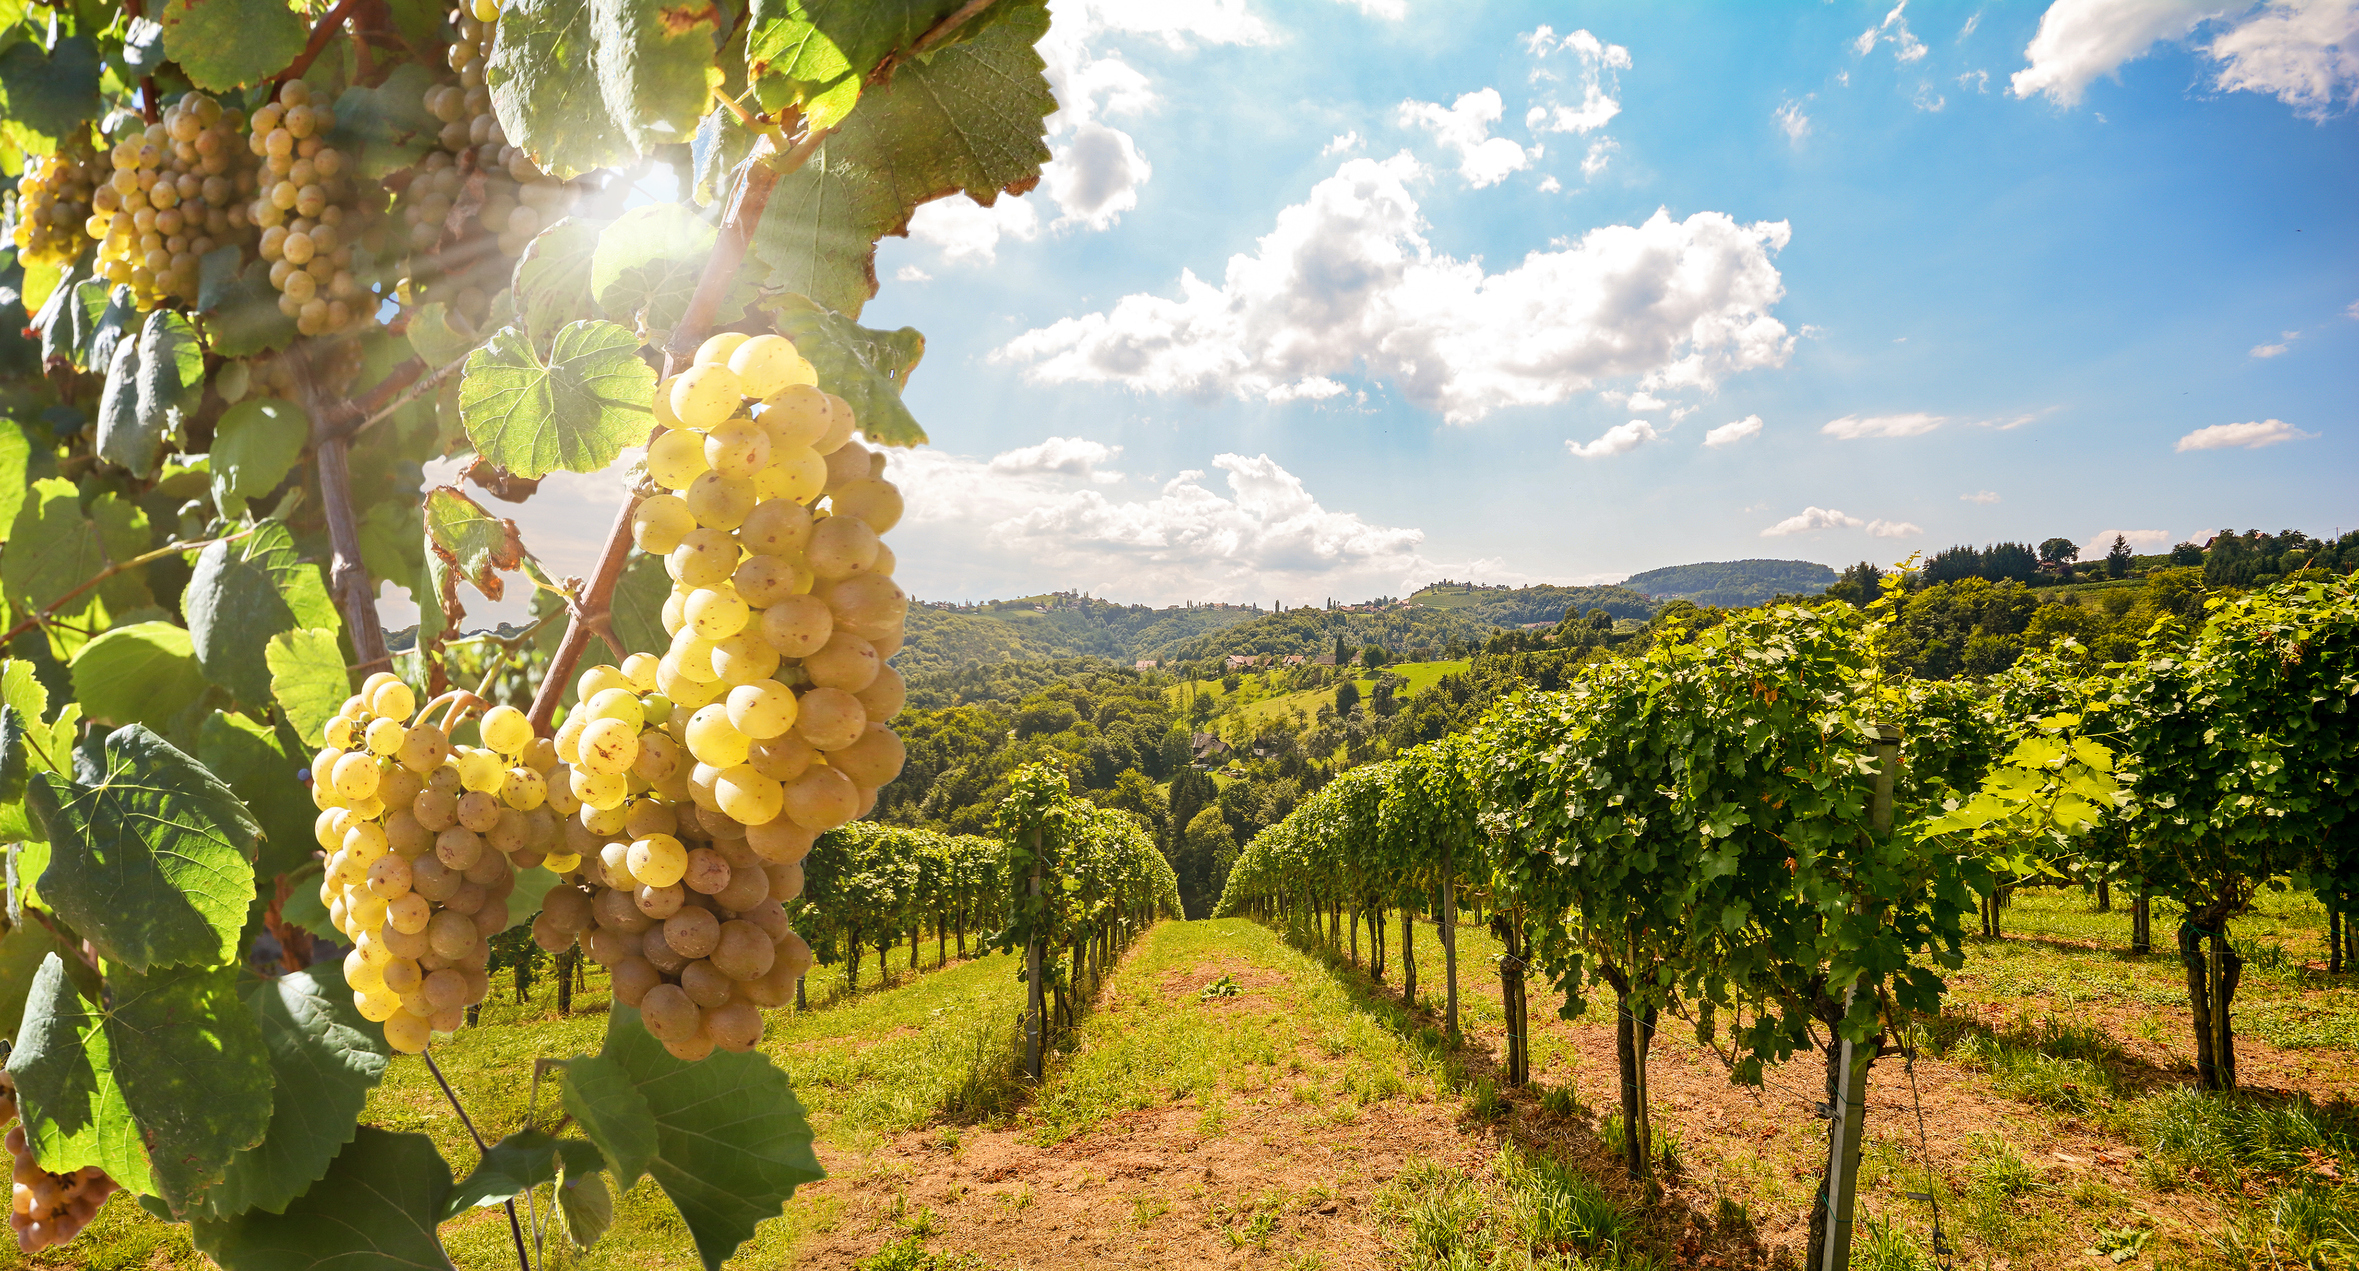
column 1143, row 1049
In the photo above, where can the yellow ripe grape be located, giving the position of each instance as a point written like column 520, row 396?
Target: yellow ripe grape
column 393, row 700
column 485, row 11
column 361, row 973
column 340, row 732
column 480, row 770
column 714, row 740
column 664, row 418
column 703, row 558
column 354, row 776
column 769, row 364
column 659, row 755
column 378, row 1005
column 798, row 415
column 371, row 807
column 686, row 694
column 840, row 426
column 323, row 762
column 658, row 860
column 608, row 746
column 506, row 730
column 846, row 662
column 616, row 703
column 720, row 502
column 874, row 501
column 561, row 862
column 691, row 656
column 605, row 818
column 715, row 614
column 762, row 710
column 776, row 528
column 569, row 738
column 327, row 829
column 830, row 718
column 718, row 347
column 821, row 799
column 763, row 581
column 742, row 659
column 540, row 754
column 639, row 669
column 599, row 790
column 841, row 546
column 524, row 789
column 424, row 749
column 660, row 519
column 700, row 785
column 675, row 613
column 798, row 626
column 705, row 395
column 385, row 736
column 737, row 449
column 798, row 475
column 562, row 800
column 376, row 680
column 884, row 560
column 366, row 911
column 364, row 843
column 598, row 679
column 748, row 796
column 407, row 1033
column 676, row 458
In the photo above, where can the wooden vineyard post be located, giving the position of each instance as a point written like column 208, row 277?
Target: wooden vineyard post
column 1450, row 945
column 1848, row 1113
column 1033, row 1005
column 2141, row 923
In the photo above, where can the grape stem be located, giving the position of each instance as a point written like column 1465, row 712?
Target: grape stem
column 481, row 1149
column 320, row 35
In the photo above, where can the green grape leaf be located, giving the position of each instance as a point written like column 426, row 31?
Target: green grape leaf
column 724, row 1136
column 243, row 593
column 123, row 534
column 577, row 411
column 647, row 265
column 240, row 308
column 29, row 743
column 586, row 1205
column 552, row 281
column 388, row 127
column 226, row 44
column 438, row 340
column 161, row 1086
column 651, row 57
column 307, row 680
column 259, row 764
column 545, row 86
column 144, row 673
column 122, row 437
column 22, row 951
column 517, row 1164
column 867, row 368
column 50, row 93
column 255, row 446
column 171, row 381
column 805, row 51
column 391, row 534
column 970, row 117
column 374, row 1210
column 97, row 314
column 473, row 543
column 721, row 144
column 150, row 858
column 324, row 1060
column 636, row 612
column 52, row 548
column 63, row 318
column 16, row 462
column 143, row 46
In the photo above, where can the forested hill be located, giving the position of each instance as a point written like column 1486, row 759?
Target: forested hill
column 1730, row 583
column 1053, row 627
column 1542, row 602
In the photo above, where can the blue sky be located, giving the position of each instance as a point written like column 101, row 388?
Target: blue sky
column 1334, row 299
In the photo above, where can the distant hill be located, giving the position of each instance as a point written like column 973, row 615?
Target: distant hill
column 1311, row 632
column 1059, row 626
column 1541, row 602
column 1734, row 582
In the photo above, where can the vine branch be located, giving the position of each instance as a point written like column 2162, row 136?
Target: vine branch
column 348, row 579
column 320, row 35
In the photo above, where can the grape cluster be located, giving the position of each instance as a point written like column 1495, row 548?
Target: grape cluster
column 714, row 766
column 177, row 191
column 424, row 840
column 47, row 1209
column 465, row 264
column 312, row 214
column 53, row 204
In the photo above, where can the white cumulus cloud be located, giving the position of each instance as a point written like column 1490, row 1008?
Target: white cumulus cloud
column 1852, row 427
column 1346, row 282
column 1894, row 529
column 2305, row 53
column 1893, row 30
column 1597, row 67
column 2101, row 542
column 1730, row 434
column 2284, row 341
column 2251, row 435
column 1068, row 456
column 1619, row 439
column 1983, row 497
column 1810, row 520
column 1096, row 176
column 1464, row 129
column 1343, row 141
column 965, row 230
